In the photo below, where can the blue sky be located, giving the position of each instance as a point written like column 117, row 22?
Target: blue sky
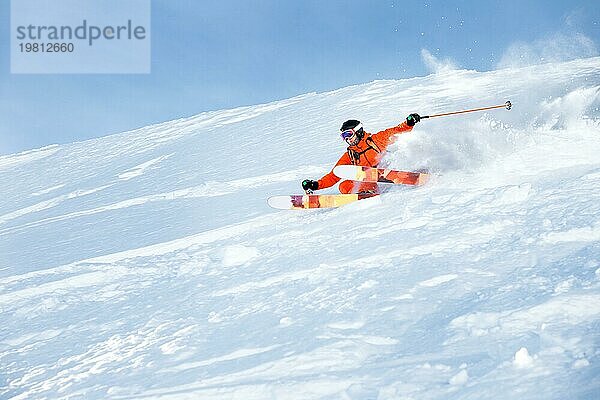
column 210, row 55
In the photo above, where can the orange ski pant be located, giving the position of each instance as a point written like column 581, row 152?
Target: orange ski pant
column 358, row 187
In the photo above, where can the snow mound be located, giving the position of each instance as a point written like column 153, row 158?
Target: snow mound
column 523, row 359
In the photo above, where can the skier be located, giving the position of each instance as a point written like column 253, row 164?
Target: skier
column 364, row 149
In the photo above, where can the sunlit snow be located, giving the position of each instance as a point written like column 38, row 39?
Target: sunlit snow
column 148, row 265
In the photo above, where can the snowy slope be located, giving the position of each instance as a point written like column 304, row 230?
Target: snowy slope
column 148, row 265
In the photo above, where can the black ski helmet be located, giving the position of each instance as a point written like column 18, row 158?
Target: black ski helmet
column 353, row 124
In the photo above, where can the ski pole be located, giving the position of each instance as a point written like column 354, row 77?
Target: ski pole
column 507, row 105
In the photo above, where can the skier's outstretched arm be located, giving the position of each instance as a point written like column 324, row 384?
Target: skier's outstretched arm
column 328, row 180
column 386, row 137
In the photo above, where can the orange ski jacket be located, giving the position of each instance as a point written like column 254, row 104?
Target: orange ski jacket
column 367, row 152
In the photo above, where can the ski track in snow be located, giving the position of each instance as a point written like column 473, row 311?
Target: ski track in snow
column 147, row 264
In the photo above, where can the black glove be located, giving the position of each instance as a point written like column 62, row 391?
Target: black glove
column 309, row 185
column 412, row 119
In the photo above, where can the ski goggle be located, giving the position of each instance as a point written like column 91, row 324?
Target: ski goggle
column 348, row 133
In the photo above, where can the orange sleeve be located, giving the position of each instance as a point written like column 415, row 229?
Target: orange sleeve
column 384, row 138
column 331, row 179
